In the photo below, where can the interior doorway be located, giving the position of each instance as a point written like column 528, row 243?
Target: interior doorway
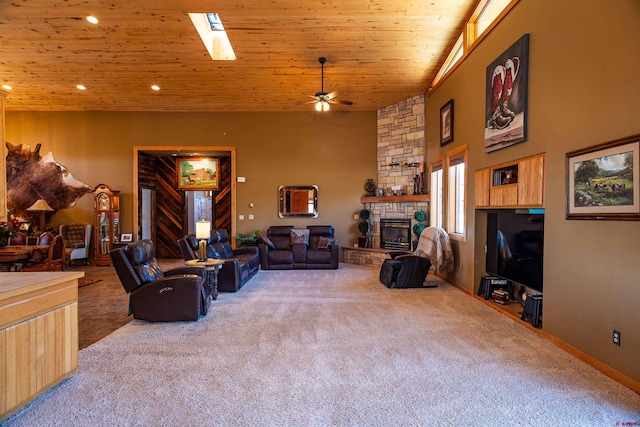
column 147, row 213
column 176, row 210
column 200, row 206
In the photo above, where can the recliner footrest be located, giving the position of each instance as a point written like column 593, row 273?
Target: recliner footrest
column 389, row 272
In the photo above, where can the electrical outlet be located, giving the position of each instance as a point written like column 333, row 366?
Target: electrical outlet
column 616, row 337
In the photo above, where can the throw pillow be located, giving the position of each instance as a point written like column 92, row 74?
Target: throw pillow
column 325, row 242
column 299, row 236
column 267, row 241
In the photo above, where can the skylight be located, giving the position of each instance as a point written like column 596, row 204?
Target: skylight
column 213, row 35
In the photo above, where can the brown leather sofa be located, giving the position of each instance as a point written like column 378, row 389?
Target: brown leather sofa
column 240, row 264
column 279, row 253
column 178, row 294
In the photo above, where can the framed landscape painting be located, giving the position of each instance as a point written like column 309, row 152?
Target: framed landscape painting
column 603, row 182
column 506, row 97
column 197, row 173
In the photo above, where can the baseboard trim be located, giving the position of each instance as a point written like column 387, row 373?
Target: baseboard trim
column 612, row 373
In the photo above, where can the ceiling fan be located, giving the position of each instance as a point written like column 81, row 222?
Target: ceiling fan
column 322, row 99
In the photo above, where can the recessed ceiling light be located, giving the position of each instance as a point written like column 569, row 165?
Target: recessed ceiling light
column 155, row 87
column 81, row 87
column 92, row 19
column 7, row 87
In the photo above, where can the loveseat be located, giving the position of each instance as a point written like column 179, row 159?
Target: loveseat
column 285, row 247
column 240, row 264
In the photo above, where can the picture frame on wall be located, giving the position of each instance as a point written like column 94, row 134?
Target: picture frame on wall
column 197, row 173
column 603, row 181
column 126, row 237
column 507, row 97
column 446, row 123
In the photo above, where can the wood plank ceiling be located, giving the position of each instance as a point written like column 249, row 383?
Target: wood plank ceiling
column 378, row 52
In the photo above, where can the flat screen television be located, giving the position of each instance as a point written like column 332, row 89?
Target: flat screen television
column 515, row 246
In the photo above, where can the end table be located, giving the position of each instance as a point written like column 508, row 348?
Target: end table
column 211, row 266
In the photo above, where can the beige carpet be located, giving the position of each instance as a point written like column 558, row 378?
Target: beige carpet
column 333, row 348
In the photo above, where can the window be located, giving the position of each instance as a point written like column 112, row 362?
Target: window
column 454, row 56
column 485, row 16
column 456, row 165
column 437, row 205
column 490, row 12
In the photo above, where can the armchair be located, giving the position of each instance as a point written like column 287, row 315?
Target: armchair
column 77, row 237
column 155, row 295
column 405, row 270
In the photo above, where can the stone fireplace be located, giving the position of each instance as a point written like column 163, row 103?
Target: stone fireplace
column 401, row 151
column 400, row 158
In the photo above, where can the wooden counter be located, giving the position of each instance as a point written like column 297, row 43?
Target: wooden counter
column 38, row 334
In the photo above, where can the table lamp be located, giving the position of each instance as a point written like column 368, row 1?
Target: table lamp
column 203, row 232
column 41, row 206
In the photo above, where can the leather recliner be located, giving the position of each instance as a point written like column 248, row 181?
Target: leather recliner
column 405, row 270
column 178, row 294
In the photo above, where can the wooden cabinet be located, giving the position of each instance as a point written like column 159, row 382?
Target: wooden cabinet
column 515, row 184
column 531, row 181
column 483, row 183
column 107, row 223
column 38, row 334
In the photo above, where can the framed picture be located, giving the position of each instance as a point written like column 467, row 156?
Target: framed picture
column 506, row 97
column 602, row 181
column 197, row 173
column 446, row 123
column 126, row 237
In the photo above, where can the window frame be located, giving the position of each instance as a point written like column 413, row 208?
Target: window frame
column 457, row 193
column 436, row 207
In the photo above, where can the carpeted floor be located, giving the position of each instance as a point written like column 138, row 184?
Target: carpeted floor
column 333, row 348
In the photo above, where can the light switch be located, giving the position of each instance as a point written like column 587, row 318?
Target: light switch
column 241, row 179
column 250, row 216
column 241, row 217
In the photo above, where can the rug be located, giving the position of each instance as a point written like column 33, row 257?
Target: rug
column 85, row 282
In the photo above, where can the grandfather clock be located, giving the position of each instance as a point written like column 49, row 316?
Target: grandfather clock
column 106, row 227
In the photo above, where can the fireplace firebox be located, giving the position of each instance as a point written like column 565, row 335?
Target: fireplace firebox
column 395, row 233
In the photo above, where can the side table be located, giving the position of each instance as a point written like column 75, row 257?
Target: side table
column 211, row 266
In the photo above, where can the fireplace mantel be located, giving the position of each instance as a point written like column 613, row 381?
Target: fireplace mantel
column 395, row 199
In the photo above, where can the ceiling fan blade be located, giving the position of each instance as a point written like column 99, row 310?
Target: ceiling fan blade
column 337, row 101
column 332, row 95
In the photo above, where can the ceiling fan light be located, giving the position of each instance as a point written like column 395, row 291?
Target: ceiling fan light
column 318, row 106
column 325, row 106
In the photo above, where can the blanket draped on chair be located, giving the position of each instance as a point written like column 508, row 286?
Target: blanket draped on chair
column 434, row 244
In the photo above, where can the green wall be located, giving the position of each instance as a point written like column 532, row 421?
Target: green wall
column 335, row 151
column 583, row 90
